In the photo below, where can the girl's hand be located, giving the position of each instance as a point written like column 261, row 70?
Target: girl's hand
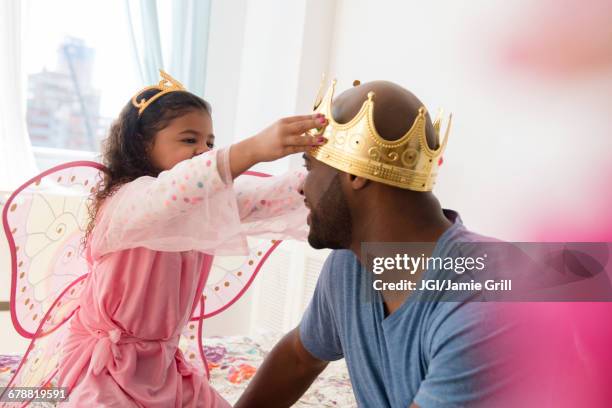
column 288, row 136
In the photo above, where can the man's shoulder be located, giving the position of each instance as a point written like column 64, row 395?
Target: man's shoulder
column 341, row 265
column 339, row 261
column 463, row 242
column 459, row 232
column 462, row 234
column 341, row 256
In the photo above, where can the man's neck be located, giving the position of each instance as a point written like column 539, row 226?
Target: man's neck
column 384, row 226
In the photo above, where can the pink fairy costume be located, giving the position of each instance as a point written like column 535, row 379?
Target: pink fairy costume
column 149, row 258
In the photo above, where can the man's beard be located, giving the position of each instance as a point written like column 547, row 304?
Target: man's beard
column 330, row 222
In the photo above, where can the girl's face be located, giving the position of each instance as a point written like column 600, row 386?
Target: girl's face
column 185, row 137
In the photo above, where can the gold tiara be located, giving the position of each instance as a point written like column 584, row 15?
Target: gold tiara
column 357, row 148
column 166, row 85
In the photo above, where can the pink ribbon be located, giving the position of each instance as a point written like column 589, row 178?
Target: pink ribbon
column 106, row 350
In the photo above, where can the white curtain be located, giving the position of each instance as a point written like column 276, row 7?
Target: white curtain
column 145, row 39
column 188, row 41
column 16, row 159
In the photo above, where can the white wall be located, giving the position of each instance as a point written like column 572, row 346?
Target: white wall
column 520, row 145
column 225, row 45
column 265, row 62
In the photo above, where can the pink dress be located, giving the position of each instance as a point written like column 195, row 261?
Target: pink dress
column 150, row 255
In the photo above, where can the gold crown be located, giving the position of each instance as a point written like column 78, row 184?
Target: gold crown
column 166, row 85
column 357, row 148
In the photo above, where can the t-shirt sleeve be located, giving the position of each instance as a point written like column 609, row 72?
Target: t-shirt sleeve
column 319, row 329
column 464, row 357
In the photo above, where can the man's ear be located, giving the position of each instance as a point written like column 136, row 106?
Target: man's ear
column 358, row 183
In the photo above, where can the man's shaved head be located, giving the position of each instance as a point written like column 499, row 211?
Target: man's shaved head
column 346, row 209
column 395, row 109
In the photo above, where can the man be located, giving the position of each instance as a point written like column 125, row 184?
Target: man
column 363, row 187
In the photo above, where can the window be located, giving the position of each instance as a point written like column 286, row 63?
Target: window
column 80, row 71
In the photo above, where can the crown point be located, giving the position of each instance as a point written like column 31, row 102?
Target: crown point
column 422, row 111
column 371, row 95
column 356, row 82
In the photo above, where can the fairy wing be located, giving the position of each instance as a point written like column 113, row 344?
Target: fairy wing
column 44, row 221
column 40, row 363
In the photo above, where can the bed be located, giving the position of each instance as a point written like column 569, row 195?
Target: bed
column 234, row 360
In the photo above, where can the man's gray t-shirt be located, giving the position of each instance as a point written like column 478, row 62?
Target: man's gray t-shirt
column 435, row 354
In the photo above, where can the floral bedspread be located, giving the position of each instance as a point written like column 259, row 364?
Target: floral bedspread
column 234, row 360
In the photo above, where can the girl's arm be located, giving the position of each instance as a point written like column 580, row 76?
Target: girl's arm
column 272, row 206
column 193, row 206
column 285, row 137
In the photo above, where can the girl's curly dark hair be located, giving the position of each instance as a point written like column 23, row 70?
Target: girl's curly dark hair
column 125, row 152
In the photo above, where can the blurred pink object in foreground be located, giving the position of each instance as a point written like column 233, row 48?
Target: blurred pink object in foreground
column 561, row 355
column 563, row 38
column 563, row 350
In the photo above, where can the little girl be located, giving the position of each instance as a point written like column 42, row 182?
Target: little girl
column 168, row 202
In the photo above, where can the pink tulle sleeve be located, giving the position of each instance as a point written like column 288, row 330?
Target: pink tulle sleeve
column 190, row 207
column 273, row 207
column 197, row 206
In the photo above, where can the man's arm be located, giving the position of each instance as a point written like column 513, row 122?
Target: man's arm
column 284, row 376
